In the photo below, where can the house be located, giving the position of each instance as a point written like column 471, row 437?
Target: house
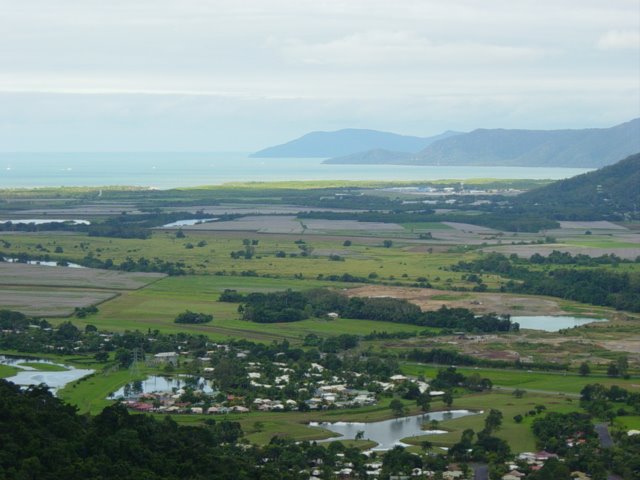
column 513, row 475
column 166, row 357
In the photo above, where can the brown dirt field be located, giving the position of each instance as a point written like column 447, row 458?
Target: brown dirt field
column 16, row 274
column 500, row 303
column 50, row 302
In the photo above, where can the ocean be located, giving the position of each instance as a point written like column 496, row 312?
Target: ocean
column 172, row 170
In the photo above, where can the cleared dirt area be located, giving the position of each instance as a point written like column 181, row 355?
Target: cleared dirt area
column 431, row 299
column 525, row 251
column 50, row 302
column 250, row 209
column 598, row 225
column 16, row 274
column 292, row 225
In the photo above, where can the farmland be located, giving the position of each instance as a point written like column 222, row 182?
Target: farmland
column 267, row 247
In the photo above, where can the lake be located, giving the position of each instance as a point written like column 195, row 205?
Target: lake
column 553, row 323
column 170, row 170
column 46, row 263
column 162, row 384
column 41, row 221
column 30, row 376
column 389, row 433
column 186, row 223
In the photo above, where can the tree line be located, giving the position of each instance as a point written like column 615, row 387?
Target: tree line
column 292, row 306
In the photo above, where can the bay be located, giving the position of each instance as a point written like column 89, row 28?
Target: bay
column 171, row 170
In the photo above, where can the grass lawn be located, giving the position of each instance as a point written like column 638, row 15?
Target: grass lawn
column 90, row 393
column 8, row 371
column 519, row 436
column 631, row 422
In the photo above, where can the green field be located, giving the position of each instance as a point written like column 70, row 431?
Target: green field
column 363, row 257
column 519, row 436
column 8, row 371
column 157, row 306
column 534, row 381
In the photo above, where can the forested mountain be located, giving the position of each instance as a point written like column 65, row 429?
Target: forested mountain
column 612, row 190
column 348, row 141
column 594, row 147
column 372, row 157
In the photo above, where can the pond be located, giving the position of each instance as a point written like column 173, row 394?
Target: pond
column 553, row 323
column 160, row 384
column 389, row 433
column 30, row 375
column 46, row 263
column 193, row 221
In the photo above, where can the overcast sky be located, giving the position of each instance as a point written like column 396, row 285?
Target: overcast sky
column 217, row 75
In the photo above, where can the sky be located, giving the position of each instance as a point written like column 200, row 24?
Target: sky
column 239, row 75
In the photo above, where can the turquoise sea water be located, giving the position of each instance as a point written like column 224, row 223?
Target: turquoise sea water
column 170, row 170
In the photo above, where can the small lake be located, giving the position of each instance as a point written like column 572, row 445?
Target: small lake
column 185, row 223
column 42, row 262
column 553, row 323
column 160, row 384
column 32, row 376
column 389, row 433
column 41, row 221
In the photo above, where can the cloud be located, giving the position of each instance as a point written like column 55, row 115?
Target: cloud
column 619, row 40
column 401, row 48
column 228, row 73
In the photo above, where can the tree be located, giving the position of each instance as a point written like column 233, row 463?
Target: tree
column 623, row 365
column 359, row 435
column 101, row 356
column 612, row 370
column 347, row 243
column 426, row 445
column 518, row 393
column 584, row 369
column 397, row 407
column 180, row 233
column 424, row 401
column 493, row 421
column 123, row 357
column 447, row 398
column 387, row 243
column 192, row 317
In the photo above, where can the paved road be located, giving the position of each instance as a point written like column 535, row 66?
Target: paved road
column 603, row 434
column 480, row 471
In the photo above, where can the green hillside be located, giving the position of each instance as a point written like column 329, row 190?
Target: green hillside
column 612, row 192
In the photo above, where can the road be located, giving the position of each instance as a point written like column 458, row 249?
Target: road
column 603, row 434
column 480, row 471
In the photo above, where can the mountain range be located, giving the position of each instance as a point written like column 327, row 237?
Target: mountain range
column 586, row 148
column 348, row 141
